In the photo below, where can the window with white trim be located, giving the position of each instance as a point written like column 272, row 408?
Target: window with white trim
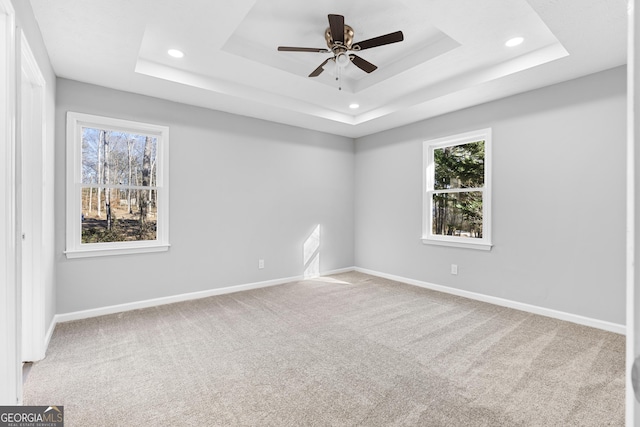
column 117, row 186
column 457, row 190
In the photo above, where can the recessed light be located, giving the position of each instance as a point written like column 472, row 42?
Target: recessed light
column 175, row 53
column 514, row 41
column 354, row 106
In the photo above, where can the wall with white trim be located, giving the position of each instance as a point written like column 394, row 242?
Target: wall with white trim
column 241, row 189
column 558, row 200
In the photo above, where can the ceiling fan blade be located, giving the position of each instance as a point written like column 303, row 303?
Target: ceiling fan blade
column 319, row 70
column 302, row 49
column 379, row 41
column 336, row 24
column 364, row 65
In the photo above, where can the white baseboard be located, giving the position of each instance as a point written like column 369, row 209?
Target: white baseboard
column 101, row 311
column 574, row 318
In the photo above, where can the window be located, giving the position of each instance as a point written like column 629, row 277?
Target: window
column 457, row 192
column 117, row 186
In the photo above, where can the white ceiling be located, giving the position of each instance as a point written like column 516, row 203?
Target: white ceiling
column 453, row 54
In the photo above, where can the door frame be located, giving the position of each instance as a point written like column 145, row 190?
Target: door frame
column 10, row 366
column 32, row 165
column 632, row 406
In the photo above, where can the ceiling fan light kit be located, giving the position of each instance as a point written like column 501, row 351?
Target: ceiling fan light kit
column 342, row 60
column 339, row 38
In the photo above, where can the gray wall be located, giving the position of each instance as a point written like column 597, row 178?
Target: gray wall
column 244, row 189
column 241, row 189
column 25, row 20
column 558, row 200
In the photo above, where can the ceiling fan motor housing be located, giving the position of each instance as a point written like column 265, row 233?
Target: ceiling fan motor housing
column 338, row 47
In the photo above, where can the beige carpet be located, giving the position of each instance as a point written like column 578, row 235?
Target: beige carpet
column 346, row 350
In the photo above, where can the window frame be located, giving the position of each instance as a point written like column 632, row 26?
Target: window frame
column 429, row 147
column 74, row 246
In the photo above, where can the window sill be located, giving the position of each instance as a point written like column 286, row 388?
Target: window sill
column 96, row 252
column 481, row 246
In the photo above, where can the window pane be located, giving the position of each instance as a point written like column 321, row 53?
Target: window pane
column 459, row 166
column 118, row 158
column 457, row 214
column 118, row 215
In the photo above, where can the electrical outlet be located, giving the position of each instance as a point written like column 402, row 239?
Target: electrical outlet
column 260, row 263
column 454, row 269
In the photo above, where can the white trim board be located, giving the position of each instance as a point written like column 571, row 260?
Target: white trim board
column 101, row 311
column 32, row 207
column 561, row 315
column 10, row 363
column 111, row 309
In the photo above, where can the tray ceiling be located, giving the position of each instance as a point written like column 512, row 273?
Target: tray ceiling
column 453, row 54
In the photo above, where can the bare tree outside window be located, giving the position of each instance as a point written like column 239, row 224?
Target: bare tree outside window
column 117, row 179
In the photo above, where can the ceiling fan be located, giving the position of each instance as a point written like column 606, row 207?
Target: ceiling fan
column 339, row 39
